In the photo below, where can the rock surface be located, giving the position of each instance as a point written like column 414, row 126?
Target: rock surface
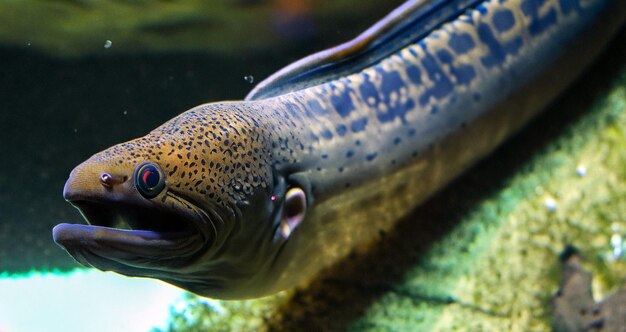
column 573, row 306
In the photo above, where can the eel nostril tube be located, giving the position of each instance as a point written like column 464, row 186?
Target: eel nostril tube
column 108, row 180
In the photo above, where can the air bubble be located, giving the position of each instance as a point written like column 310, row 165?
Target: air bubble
column 249, row 79
column 108, row 44
column 550, row 204
column 617, row 245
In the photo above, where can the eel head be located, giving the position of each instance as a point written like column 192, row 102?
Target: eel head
column 181, row 206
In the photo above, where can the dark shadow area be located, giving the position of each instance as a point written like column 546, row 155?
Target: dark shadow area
column 344, row 293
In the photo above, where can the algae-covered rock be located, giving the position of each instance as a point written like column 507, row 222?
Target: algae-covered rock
column 87, row 27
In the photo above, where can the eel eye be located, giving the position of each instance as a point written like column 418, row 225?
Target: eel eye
column 149, row 180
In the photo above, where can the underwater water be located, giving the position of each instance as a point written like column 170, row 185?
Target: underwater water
column 68, row 91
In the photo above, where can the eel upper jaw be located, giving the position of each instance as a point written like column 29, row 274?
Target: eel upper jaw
column 133, row 238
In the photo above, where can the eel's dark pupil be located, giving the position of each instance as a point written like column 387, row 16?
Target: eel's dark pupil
column 150, row 177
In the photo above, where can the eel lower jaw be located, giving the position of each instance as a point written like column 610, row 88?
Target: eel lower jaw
column 132, row 239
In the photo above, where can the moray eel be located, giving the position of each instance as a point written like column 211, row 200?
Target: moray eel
column 242, row 199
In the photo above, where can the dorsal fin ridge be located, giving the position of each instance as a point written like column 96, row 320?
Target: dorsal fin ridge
column 400, row 28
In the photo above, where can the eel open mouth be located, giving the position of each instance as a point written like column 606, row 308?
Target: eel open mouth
column 129, row 238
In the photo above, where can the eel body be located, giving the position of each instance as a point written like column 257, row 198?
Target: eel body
column 246, row 198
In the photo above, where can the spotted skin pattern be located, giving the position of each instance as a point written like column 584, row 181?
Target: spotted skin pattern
column 366, row 147
column 220, row 156
column 391, row 112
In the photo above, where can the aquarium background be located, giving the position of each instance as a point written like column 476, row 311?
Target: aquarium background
column 79, row 76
